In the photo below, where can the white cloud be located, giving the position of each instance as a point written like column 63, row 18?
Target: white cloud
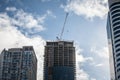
column 11, row 37
column 88, row 8
column 45, row 0
column 11, row 9
column 102, row 60
column 80, row 59
column 94, row 62
column 27, row 21
column 93, row 79
column 82, row 75
column 101, row 52
column 51, row 13
column 99, row 65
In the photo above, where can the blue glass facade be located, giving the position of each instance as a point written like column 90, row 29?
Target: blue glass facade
column 63, row 73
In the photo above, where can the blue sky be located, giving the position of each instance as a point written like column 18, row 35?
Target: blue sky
column 32, row 22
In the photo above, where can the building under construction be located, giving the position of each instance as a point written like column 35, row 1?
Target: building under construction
column 59, row 60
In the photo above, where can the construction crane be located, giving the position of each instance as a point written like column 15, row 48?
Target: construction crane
column 62, row 31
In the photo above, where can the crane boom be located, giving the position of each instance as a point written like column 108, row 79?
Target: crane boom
column 63, row 26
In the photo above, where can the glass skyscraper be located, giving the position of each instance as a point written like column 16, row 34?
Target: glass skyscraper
column 18, row 64
column 59, row 60
column 113, row 30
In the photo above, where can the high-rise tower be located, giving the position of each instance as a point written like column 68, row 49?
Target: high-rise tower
column 59, row 61
column 18, row 64
column 113, row 29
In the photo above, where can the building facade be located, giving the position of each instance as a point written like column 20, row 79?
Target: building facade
column 113, row 30
column 18, row 64
column 59, row 61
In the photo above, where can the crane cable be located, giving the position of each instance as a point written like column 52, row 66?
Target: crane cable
column 63, row 26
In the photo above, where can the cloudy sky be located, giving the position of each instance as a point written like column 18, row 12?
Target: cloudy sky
column 32, row 22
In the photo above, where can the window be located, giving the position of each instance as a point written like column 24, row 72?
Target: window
column 118, row 18
column 117, row 41
column 115, row 7
column 118, row 59
column 118, row 76
column 117, row 23
column 117, row 45
column 118, row 50
column 116, row 15
column 116, row 32
column 115, row 11
column 118, row 55
column 118, row 64
column 117, row 27
column 117, row 3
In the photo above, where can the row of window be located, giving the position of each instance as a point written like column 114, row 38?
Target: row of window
column 118, row 59
column 116, row 15
column 117, row 27
column 118, row 64
column 118, row 55
column 117, row 32
column 117, row 40
column 116, row 36
column 115, row 5
column 118, row 45
column 116, row 23
column 118, row 76
column 118, row 50
column 117, row 10
column 115, row 19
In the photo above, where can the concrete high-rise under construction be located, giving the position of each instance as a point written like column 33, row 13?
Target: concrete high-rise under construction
column 18, row 64
column 59, row 60
column 113, row 30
